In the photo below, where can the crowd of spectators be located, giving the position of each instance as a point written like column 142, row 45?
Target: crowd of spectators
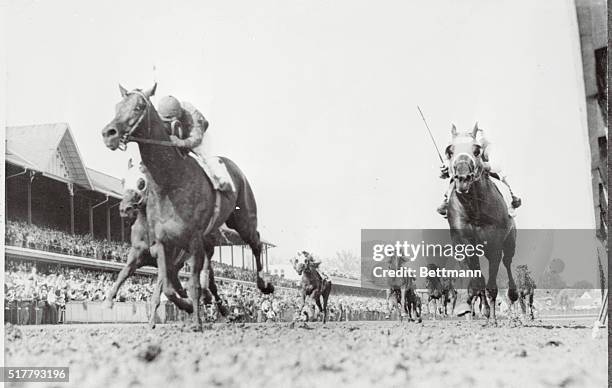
column 22, row 234
column 38, row 292
column 248, row 275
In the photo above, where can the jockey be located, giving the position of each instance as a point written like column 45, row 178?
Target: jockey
column 311, row 260
column 184, row 119
column 492, row 168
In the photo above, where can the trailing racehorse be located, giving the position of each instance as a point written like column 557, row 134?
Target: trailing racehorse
column 132, row 207
column 313, row 284
column 440, row 290
column 478, row 214
column 526, row 290
column 413, row 302
column 182, row 203
column 397, row 287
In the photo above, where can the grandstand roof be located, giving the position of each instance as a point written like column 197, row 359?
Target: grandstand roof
column 48, row 148
column 105, row 183
column 52, row 150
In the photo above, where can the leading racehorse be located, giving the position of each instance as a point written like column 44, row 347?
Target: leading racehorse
column 132, row 206
column 478, row 214
column 182, row 204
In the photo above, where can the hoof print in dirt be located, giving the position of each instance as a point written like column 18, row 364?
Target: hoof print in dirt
column 150, row 353
column 11, row 332
column 553, row 343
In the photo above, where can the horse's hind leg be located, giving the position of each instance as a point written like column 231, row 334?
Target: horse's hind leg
column 244, row 221
column 212, row 285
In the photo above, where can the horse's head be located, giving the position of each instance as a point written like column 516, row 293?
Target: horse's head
column 134, row 190
column 300, row 262
column 465, row 158
column 129, row 116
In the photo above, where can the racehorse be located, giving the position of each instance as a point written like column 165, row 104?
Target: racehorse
column 313, row 284
column 526, row 289
column 449, row 295
column 478, row 214
column 397, row 287
column 413, row 302
column 132, row 207
column 442, row 290
column 182, row 204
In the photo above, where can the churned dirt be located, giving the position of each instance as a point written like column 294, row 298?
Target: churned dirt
column 446, row 353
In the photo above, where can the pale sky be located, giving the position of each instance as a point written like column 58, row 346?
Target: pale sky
column 316, row 100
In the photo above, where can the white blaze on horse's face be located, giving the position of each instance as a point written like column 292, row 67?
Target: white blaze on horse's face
column 134, row 190
column 299, row 263
column 465, row 159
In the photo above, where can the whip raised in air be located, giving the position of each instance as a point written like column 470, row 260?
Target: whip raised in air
column 431, row 136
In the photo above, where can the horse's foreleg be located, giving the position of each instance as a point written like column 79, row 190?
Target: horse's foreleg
column 403, row 301
column 388, row 316
column 159, row 252
column 212, row 285
column 200, row 262
column 468, row 306
column 132, row 264
column 491, row 290
column 317, row 299
column 155, row 302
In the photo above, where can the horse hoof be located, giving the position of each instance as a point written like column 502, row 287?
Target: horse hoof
column 223, row 310
column 512, row 295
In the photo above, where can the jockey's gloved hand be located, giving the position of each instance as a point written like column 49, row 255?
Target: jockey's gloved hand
column 176, row 141
column 444, row 172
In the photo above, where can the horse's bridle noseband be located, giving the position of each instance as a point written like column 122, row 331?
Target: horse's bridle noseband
column 477, row 169
column 127, row 137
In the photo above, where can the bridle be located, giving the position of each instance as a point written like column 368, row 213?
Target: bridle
column 477, row 166
column 127, row 137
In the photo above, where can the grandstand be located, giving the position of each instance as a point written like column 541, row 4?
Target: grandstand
column 62, row 219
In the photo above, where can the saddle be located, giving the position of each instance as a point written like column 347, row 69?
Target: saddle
column 216, row 171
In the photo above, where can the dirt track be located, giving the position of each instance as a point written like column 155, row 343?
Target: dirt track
column 435, row 353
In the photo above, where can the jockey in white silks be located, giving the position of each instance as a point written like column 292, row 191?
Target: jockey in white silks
column 492, row 166
column 185, row 118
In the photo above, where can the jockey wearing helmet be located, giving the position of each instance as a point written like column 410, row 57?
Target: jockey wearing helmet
column 184, row 118
column 492, row 168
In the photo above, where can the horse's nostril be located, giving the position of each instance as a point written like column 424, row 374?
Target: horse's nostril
column 111, row 132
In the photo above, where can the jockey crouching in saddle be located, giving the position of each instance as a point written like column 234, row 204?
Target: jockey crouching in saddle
column 187, row 129
column 494, row 170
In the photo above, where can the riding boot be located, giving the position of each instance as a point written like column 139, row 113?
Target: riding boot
column 443, row 207
column 516, row 201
